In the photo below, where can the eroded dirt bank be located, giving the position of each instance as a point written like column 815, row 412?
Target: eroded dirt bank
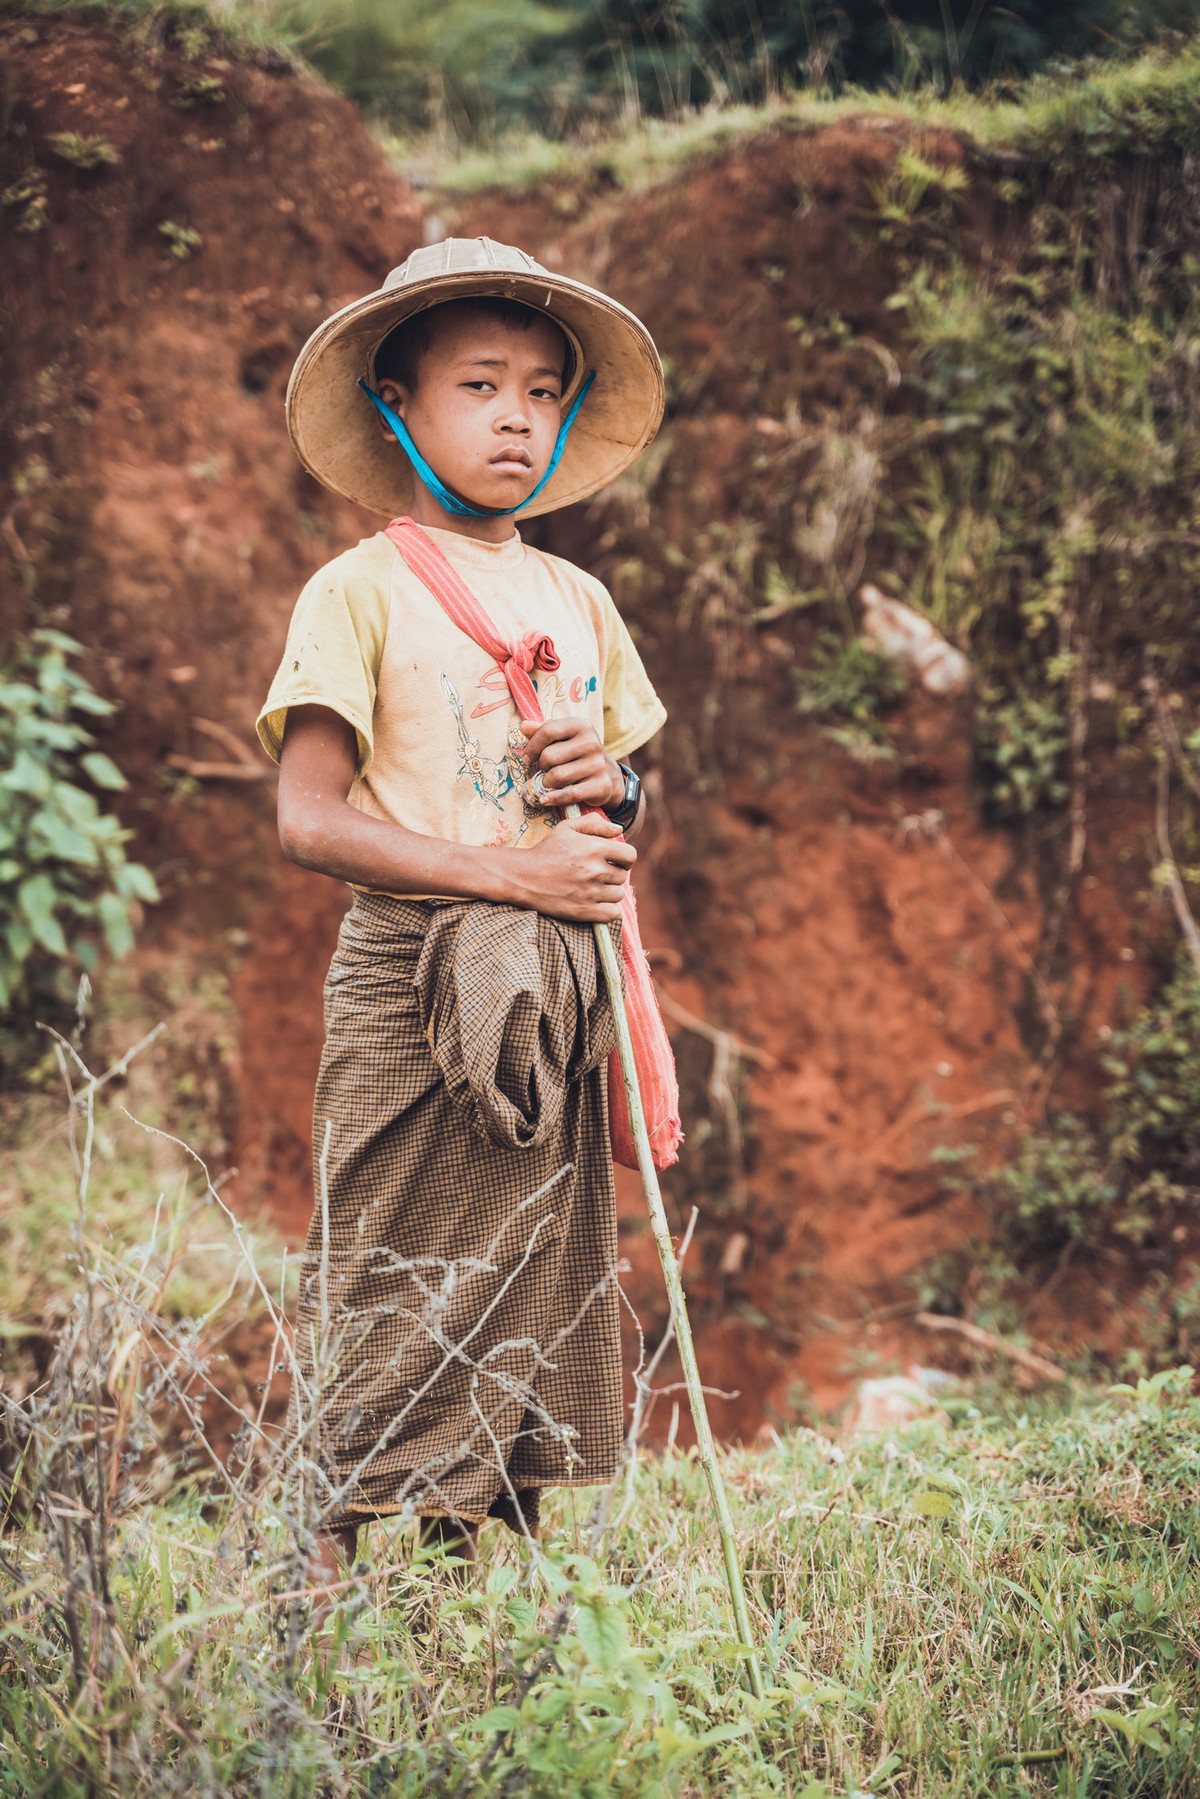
column 845, row 947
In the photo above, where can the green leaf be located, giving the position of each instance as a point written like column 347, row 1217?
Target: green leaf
column 552, row 1706
column 19, row 939
column 521, row 1613
column 78, row 805
column 57, row 640
column 501, row 1717
column 932, row 1504
column 37, row 899
column 1144, row 1602
column 600, row 1628
column 54, row 733
column 500, row 1581
column 103, row 771
column 27, row 775
column 136, row 882
column 63, row 840
column 84, row 700
column 113, row 914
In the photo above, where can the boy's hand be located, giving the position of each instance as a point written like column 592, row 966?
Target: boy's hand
column 576, row 768
column 578, row 871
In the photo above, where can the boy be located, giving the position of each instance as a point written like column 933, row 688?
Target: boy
column 458, row 1331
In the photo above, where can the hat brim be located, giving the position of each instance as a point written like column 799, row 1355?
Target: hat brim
column 336, row 433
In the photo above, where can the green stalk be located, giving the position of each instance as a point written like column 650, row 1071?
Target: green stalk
column 679, row 1311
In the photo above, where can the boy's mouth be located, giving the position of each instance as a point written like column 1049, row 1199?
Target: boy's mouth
column 512, row 458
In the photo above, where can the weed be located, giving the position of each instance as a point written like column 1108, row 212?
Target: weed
column 1128, row 1177
column 1022, row 744
column 84, row 150
column 199, row 90
column 182, row 240
column 913, row 186
column 1154, row 1101
column 29, row 195
column 851, row 689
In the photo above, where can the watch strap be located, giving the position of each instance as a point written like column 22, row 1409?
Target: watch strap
column 624, row 814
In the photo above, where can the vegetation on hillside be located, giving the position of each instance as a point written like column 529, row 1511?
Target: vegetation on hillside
column 558, row 68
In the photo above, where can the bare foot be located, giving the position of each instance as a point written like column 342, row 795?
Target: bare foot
column 332, row 1560
column 333, row 1557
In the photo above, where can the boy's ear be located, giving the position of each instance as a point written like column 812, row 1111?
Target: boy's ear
column 397, row 396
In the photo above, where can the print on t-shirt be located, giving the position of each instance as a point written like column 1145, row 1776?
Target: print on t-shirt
column 493, row 780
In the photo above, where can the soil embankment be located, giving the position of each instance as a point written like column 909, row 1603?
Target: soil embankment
column 845, row 948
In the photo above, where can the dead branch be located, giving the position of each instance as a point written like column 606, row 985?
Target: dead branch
column 727, row 1040
column 229, row 740
column 219, row 771
column 1040, row 1365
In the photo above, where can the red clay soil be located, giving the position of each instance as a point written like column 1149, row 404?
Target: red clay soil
column 856, row 928
column 157, row 503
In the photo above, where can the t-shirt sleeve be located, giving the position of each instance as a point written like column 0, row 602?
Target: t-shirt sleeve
column 333, row 652
column 633, row 711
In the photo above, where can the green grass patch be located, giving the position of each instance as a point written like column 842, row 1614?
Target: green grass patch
column 1004, row 1604
column 999, row 1599
column 1143, row 106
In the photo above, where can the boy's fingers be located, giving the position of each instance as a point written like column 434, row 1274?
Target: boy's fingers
column 621, row 856
column 593, row 824
column 540, row 738
column 569, row 752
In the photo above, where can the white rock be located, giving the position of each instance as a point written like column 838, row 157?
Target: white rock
column 880, row 1406
column 900, row 635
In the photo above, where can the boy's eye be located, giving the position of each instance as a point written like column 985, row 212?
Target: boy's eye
column 477, row 384
column 547, row 393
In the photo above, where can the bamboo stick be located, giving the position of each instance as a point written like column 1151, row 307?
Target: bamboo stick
column 679, row 1312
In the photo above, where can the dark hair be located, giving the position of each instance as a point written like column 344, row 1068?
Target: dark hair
column 398, row 357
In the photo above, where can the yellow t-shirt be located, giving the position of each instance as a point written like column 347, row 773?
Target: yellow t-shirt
column 436, row 726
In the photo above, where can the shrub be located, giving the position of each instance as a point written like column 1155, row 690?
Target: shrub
column 1133, row 1175
column 1154, row 1099
column 851, row 688
column 1021, row 745
column 64, row 876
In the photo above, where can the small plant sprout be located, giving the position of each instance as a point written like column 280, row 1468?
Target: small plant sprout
column 182, row 240
column 84, row 150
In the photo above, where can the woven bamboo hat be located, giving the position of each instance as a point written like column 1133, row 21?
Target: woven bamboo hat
column 333, row 425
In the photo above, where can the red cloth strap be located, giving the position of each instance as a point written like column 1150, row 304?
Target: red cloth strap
column 519, row 659
column 653, row 1057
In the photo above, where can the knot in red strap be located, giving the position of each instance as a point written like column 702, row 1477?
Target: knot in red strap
column 534, row 650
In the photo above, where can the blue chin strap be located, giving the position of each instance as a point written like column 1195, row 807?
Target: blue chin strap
column 438, row 488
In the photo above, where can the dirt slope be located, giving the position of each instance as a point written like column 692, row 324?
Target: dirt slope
column 155, row 500
column 860, row 932
column 859, row 927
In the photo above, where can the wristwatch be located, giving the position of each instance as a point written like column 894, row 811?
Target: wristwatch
column 627, row 811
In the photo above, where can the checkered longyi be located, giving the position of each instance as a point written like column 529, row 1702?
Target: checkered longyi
column 458, row 1341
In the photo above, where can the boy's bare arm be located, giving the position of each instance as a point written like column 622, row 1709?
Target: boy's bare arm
column 576, row 872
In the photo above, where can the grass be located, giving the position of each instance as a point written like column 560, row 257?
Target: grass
column 1005, row 1605
column 1001, row 1599
column 1145, row 105
column 196, row 28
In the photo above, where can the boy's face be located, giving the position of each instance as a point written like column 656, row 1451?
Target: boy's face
column 486, row 407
